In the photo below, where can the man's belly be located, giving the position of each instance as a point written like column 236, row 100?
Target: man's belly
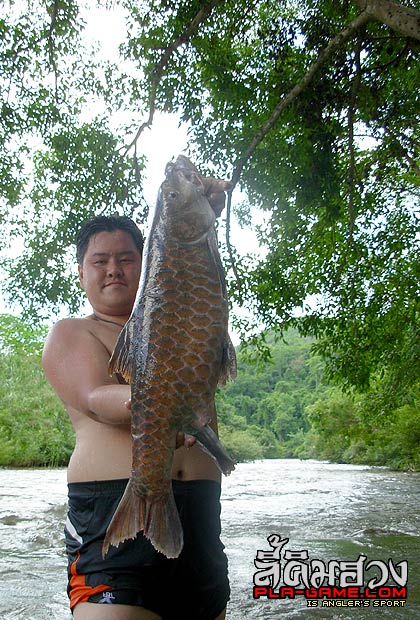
column 103, row 452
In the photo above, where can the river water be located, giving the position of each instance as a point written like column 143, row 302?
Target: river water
column 333, row 512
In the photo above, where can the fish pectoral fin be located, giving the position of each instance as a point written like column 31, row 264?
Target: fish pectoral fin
column 121, row 361
column 228, row 366
column 159, row 521
column 209, row 441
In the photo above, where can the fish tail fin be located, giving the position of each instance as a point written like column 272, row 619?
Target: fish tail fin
column 211, row 444
column 159, row 521
column 163, row 527
column 126, row 522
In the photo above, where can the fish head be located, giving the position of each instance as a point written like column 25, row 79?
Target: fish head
column 185, row 209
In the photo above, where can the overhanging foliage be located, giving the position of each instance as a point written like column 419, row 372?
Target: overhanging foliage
column 311, row 107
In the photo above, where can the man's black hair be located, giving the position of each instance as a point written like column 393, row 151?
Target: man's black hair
column 103, row 223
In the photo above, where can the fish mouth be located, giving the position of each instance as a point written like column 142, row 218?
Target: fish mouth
column 176, row 173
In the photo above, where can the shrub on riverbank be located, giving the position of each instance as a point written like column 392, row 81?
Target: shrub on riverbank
column 35, row 429
column 350, row 429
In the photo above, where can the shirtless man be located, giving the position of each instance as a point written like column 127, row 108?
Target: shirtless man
column 140, row 583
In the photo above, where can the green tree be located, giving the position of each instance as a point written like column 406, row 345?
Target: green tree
column 311, row 106
column 34, row 427
column 335, row 423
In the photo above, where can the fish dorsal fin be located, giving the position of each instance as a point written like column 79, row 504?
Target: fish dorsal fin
column 121, row 361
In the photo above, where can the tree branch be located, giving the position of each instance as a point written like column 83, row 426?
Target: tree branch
column 51, row 54
column 405, row 153
column 336, row 43
column 414, row 165
column 184, row 37
column 350, row 124
column 402, row 19
column 230, row 249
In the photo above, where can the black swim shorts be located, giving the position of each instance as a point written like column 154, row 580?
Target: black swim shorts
column 194, row 586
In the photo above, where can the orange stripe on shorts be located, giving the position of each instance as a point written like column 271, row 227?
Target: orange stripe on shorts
column 79, row 590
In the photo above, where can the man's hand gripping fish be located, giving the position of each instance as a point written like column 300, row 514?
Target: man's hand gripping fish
column 174, row 351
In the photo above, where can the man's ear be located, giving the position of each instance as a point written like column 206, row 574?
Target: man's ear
column 80, row 270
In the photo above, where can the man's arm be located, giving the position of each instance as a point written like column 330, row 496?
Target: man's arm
column 75, row 363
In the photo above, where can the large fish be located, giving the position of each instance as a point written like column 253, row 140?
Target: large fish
column 174, row 351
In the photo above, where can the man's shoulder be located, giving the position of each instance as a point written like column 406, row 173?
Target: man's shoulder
column 71, row 328
column 74, row 337
column 72, row 324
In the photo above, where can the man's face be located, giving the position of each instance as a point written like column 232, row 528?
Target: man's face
column 110, row 272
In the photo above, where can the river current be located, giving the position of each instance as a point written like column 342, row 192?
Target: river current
column 326, row 511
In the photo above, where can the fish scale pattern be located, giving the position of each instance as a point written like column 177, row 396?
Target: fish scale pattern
column 184, row 355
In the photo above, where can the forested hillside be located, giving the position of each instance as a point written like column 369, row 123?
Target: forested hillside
column 264, row 408
column 281, row 408
column 285, row 408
